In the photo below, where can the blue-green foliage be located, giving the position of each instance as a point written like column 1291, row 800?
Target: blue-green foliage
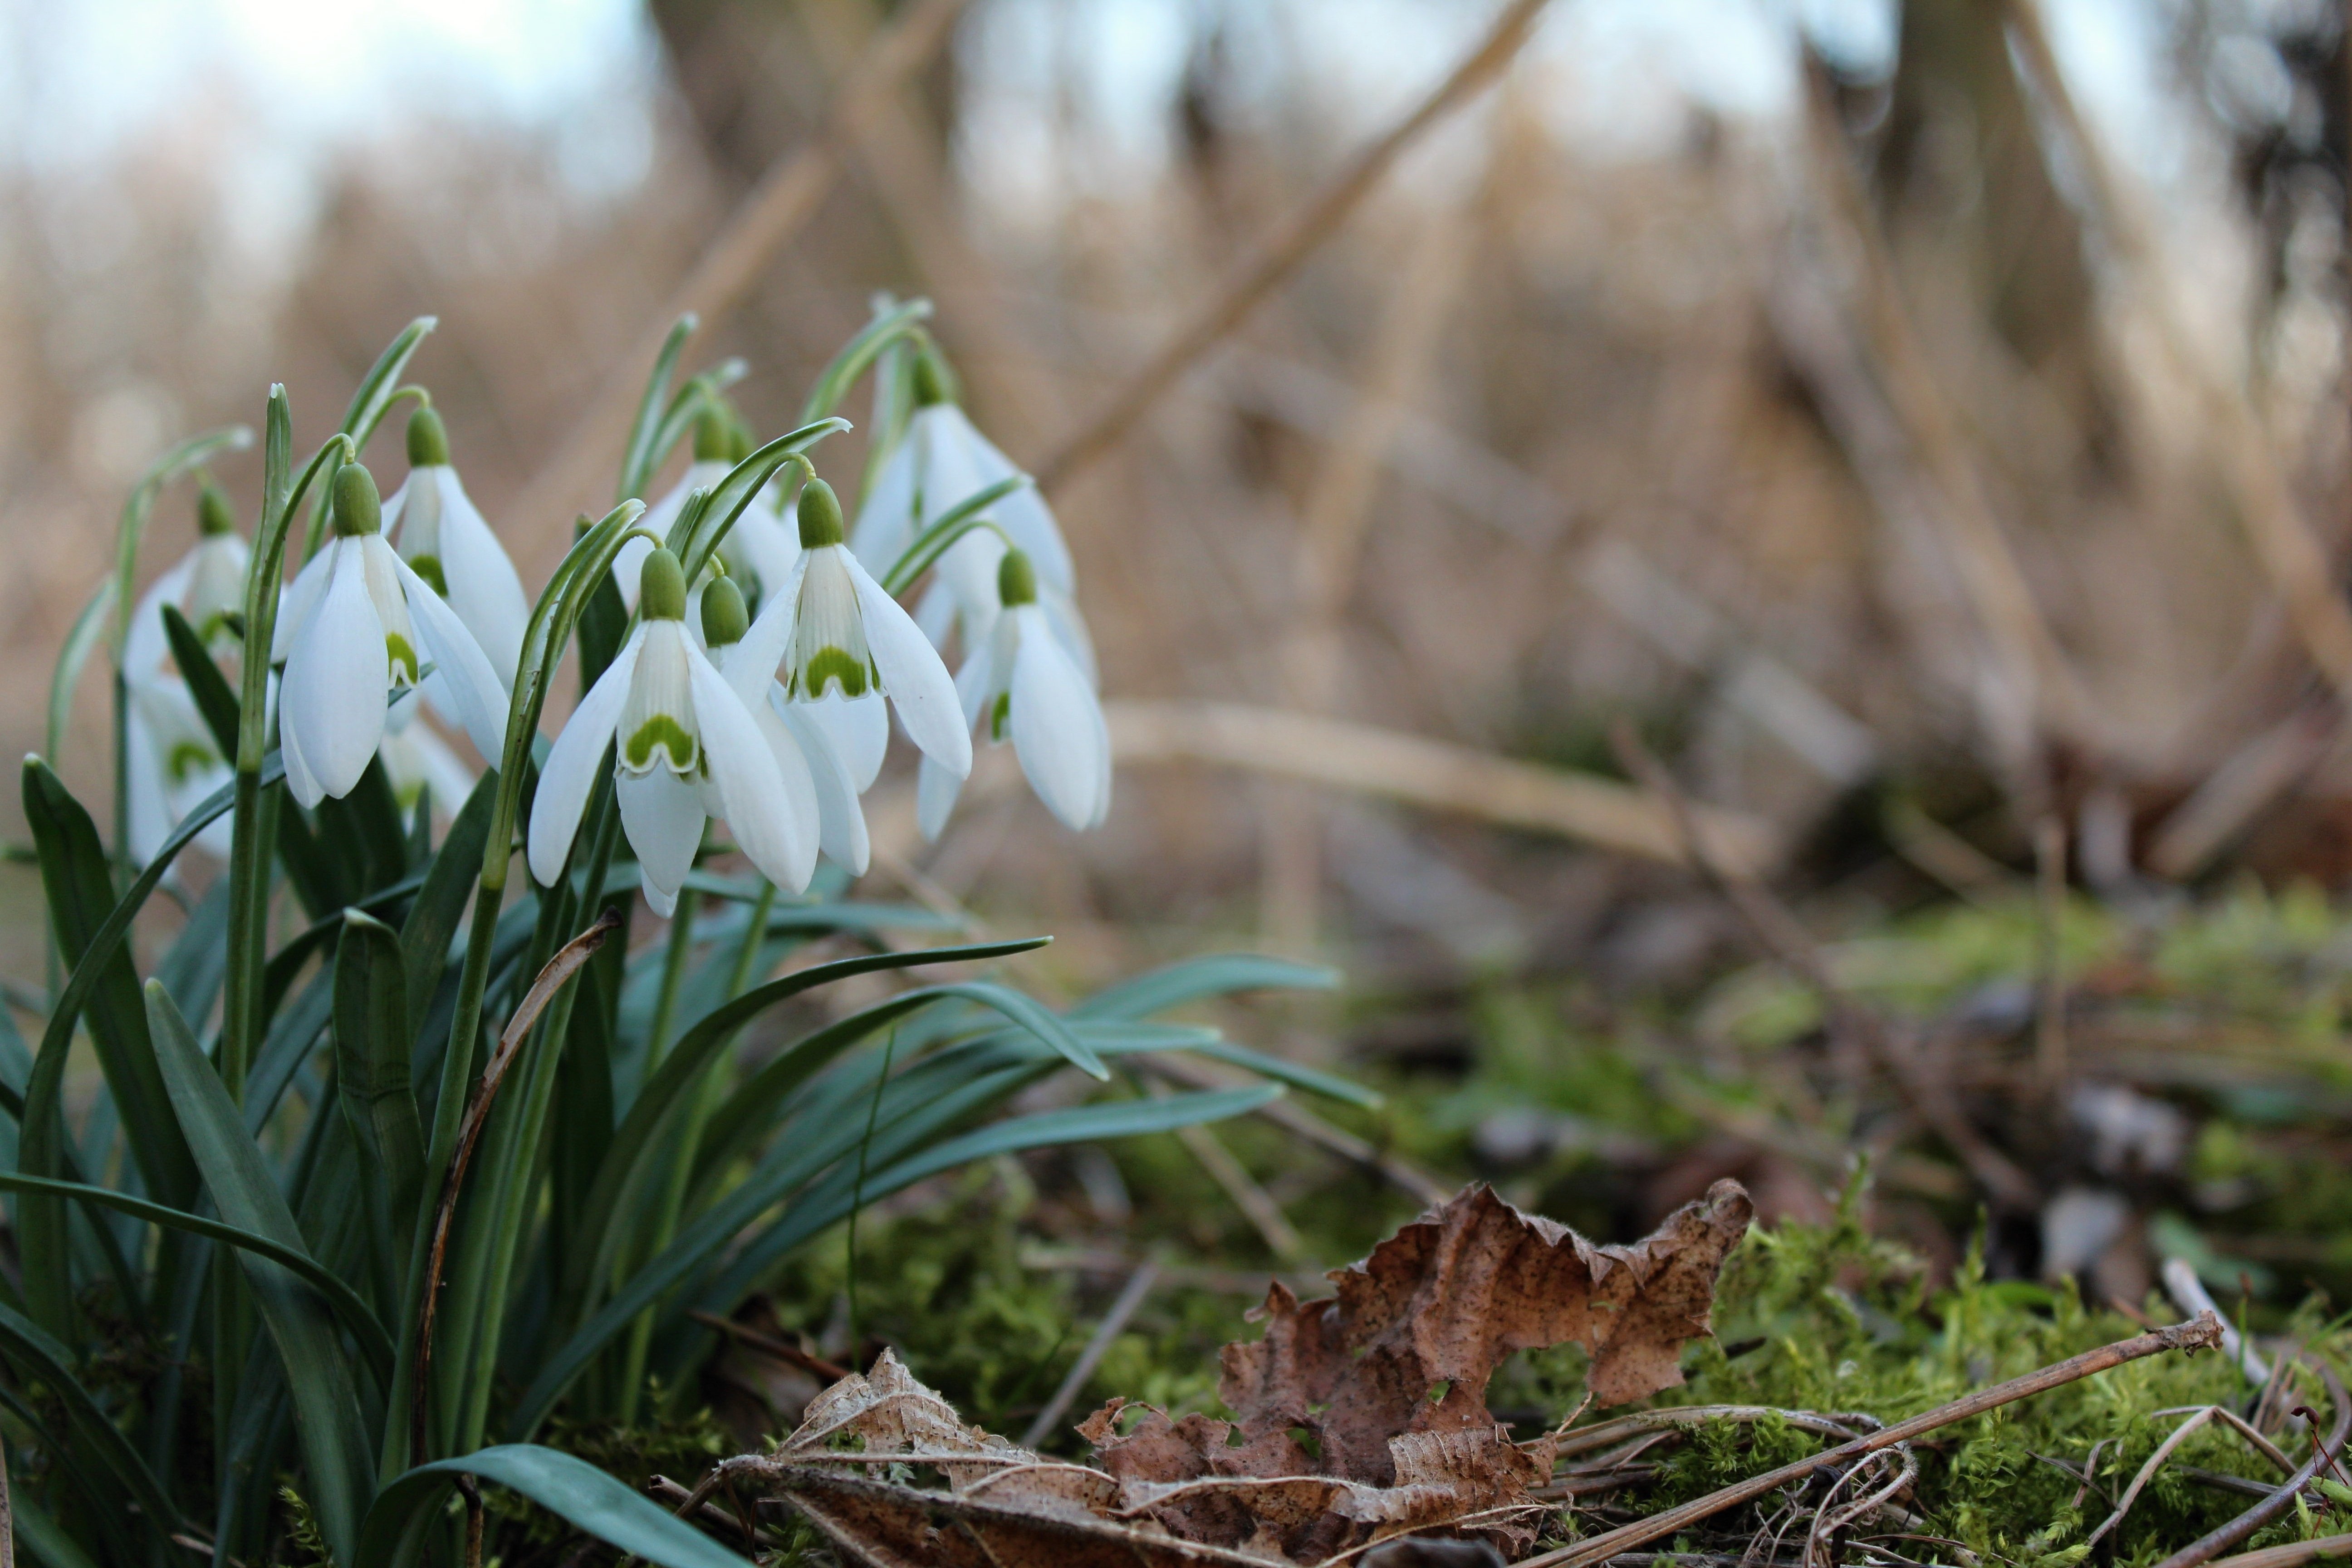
column 226, row 1263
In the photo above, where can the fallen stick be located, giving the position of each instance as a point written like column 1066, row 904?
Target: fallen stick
column 2203, row 1333
column 2291, row 1554
column 2213, row 1543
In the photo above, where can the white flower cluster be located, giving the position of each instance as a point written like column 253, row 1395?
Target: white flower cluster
column 776, row 722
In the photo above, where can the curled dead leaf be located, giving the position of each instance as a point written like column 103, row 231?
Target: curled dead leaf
column 1361, row 1418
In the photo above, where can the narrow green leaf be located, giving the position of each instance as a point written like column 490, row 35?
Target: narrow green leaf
column 932, row 543
column 88, row 628
column 371, row 1057
column 695, row 537
column 431, row 922
column 355, row 1313
column 374, row 393
column 583, row 1495
column 1329, row 1085
column 80, row 890
column 141, row 504
column 42, row 1537
column 833, row 382
column 700, row 393
column 339, row 1458
column 635, row 469
column 214, row 701
column 1219, row 975
column 684, row 1066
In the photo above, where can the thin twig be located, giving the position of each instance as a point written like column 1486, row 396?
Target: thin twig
column 2204, row 1333
column 1277, row 256
column 2163, row 1450
column 2292, row 1554
column 774, row 211
column 2214, row 1542
column 567, row 962
column 1114, row 1323
column 7, row 1516
column 2189, row 1294
column 768, row 1344
column 1257, row 1205
column 1310, row 1127
column 2049, row 988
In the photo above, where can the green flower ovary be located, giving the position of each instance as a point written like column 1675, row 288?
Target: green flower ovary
column 187, row 759
column 404, row 659
column 831, row 664
column 661, row 733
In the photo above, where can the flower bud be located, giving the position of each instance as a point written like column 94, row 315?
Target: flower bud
column 216, row 513
column 428, row 442
column 358, row 508
column 820, row 515
column 725, row 618
column 1016, row 579
column 661, row 588
column 711, row 436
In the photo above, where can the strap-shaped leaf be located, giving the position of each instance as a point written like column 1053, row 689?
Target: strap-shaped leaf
column 44, row 1538
column 932, row 543
column 80, row 890
column 355, row 1313
column 338, row 1456
column 686, row 1060
column 635, row 469
column 1219, row 975
column 373, row 395
column 373, row 1069
column 734, row 492
column 833, row 382
column 582, row 1494
column 432, row 922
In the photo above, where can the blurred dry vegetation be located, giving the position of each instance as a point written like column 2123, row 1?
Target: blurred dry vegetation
column 1914, row 477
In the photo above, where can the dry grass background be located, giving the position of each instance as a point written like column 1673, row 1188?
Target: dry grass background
column 1896, row 452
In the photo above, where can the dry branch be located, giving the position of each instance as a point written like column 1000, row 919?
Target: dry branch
column 1427, row 773
column 1278, row 254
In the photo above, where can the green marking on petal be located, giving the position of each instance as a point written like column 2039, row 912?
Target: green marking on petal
column 188, row 758
column 403, row 659
column 831, row 664
column 429, row 568
column 1000, row 715
column 661, row 732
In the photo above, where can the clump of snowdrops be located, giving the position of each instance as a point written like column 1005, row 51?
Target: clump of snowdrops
column 394, row 1155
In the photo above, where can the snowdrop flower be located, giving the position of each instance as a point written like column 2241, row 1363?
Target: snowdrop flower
column 837, row 634
column 688, row 748
column 360, row 626
column 206, row 585
column 445, row 540
column 1022, row 684
column 805, row 755
column 172, row 762
column 943, row 461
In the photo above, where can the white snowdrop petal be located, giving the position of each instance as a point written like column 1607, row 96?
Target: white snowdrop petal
column 1057, row 726
column 628, row 566
column 662, row 815
column 751, row 664
column 935, row 612
column 912, row 676
column 830, row 650
column 1023, row 514
column 484, row 588
column 296, row 606
column 969, row 570
column 146, row 651
column 859, row 730
column 886, row 523
column 473, row 687
column 331, row 708
column 751, row 787
column 1062, row 615
column 840, row 821
column 572, row 763
column 151, row 822
column 935, row 796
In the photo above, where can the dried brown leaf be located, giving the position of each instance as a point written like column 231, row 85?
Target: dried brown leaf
column 1362, row 1417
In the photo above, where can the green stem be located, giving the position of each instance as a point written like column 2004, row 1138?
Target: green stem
column 681, row 946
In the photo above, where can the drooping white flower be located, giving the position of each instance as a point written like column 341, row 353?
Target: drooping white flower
column 831, row 631
column 172, row 760
column 943, row 461
column 1021, row 685
column 358, row 626
column 804, row 750
column 688, row 748
column 206, row 585
column 443, row 537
